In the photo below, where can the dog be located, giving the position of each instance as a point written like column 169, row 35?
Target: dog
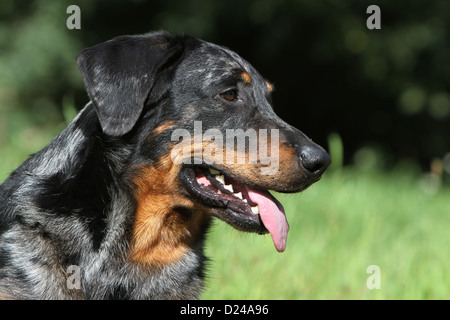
column 108, row 210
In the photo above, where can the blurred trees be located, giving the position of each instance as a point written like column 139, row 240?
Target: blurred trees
column 386, row 88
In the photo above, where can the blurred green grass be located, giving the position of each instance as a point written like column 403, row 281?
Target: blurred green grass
column 341, row 225
column 353, row 218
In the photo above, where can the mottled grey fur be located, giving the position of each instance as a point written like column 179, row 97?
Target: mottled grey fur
column 36, row 247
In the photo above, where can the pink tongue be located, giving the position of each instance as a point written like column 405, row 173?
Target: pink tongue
column 204, row 181
column 271, row 212
column 272, row 215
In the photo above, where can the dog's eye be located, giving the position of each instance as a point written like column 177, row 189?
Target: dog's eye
column 230, row 95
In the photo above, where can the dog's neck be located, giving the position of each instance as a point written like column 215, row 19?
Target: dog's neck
column 150, row 232
column 125, row 231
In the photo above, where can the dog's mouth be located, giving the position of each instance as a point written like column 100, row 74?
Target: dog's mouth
column 243, row 207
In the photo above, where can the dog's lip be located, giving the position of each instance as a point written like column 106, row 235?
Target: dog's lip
column 214, row 194
column 243, row 207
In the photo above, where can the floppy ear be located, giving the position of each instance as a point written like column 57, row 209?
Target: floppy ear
column 119, row 75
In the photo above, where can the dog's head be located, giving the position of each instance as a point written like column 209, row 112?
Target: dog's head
column 205, row 135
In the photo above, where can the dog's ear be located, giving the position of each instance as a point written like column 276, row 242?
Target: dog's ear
column 119, row 75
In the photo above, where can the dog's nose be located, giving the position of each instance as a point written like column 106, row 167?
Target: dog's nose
column 314, row 159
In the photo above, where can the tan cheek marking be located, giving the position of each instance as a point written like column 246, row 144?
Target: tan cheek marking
column 162, row 234
column 269, row 86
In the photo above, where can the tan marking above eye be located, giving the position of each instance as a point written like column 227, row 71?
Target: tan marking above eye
column 161, row 128
column 246, row 77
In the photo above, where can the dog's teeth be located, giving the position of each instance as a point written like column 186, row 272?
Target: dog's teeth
column 239, row 195
column 213, row 171
column 221, row 178
column 245, row 200
column 228, row 187
column 255, row 209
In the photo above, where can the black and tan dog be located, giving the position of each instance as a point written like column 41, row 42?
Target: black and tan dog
column 107, row 196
